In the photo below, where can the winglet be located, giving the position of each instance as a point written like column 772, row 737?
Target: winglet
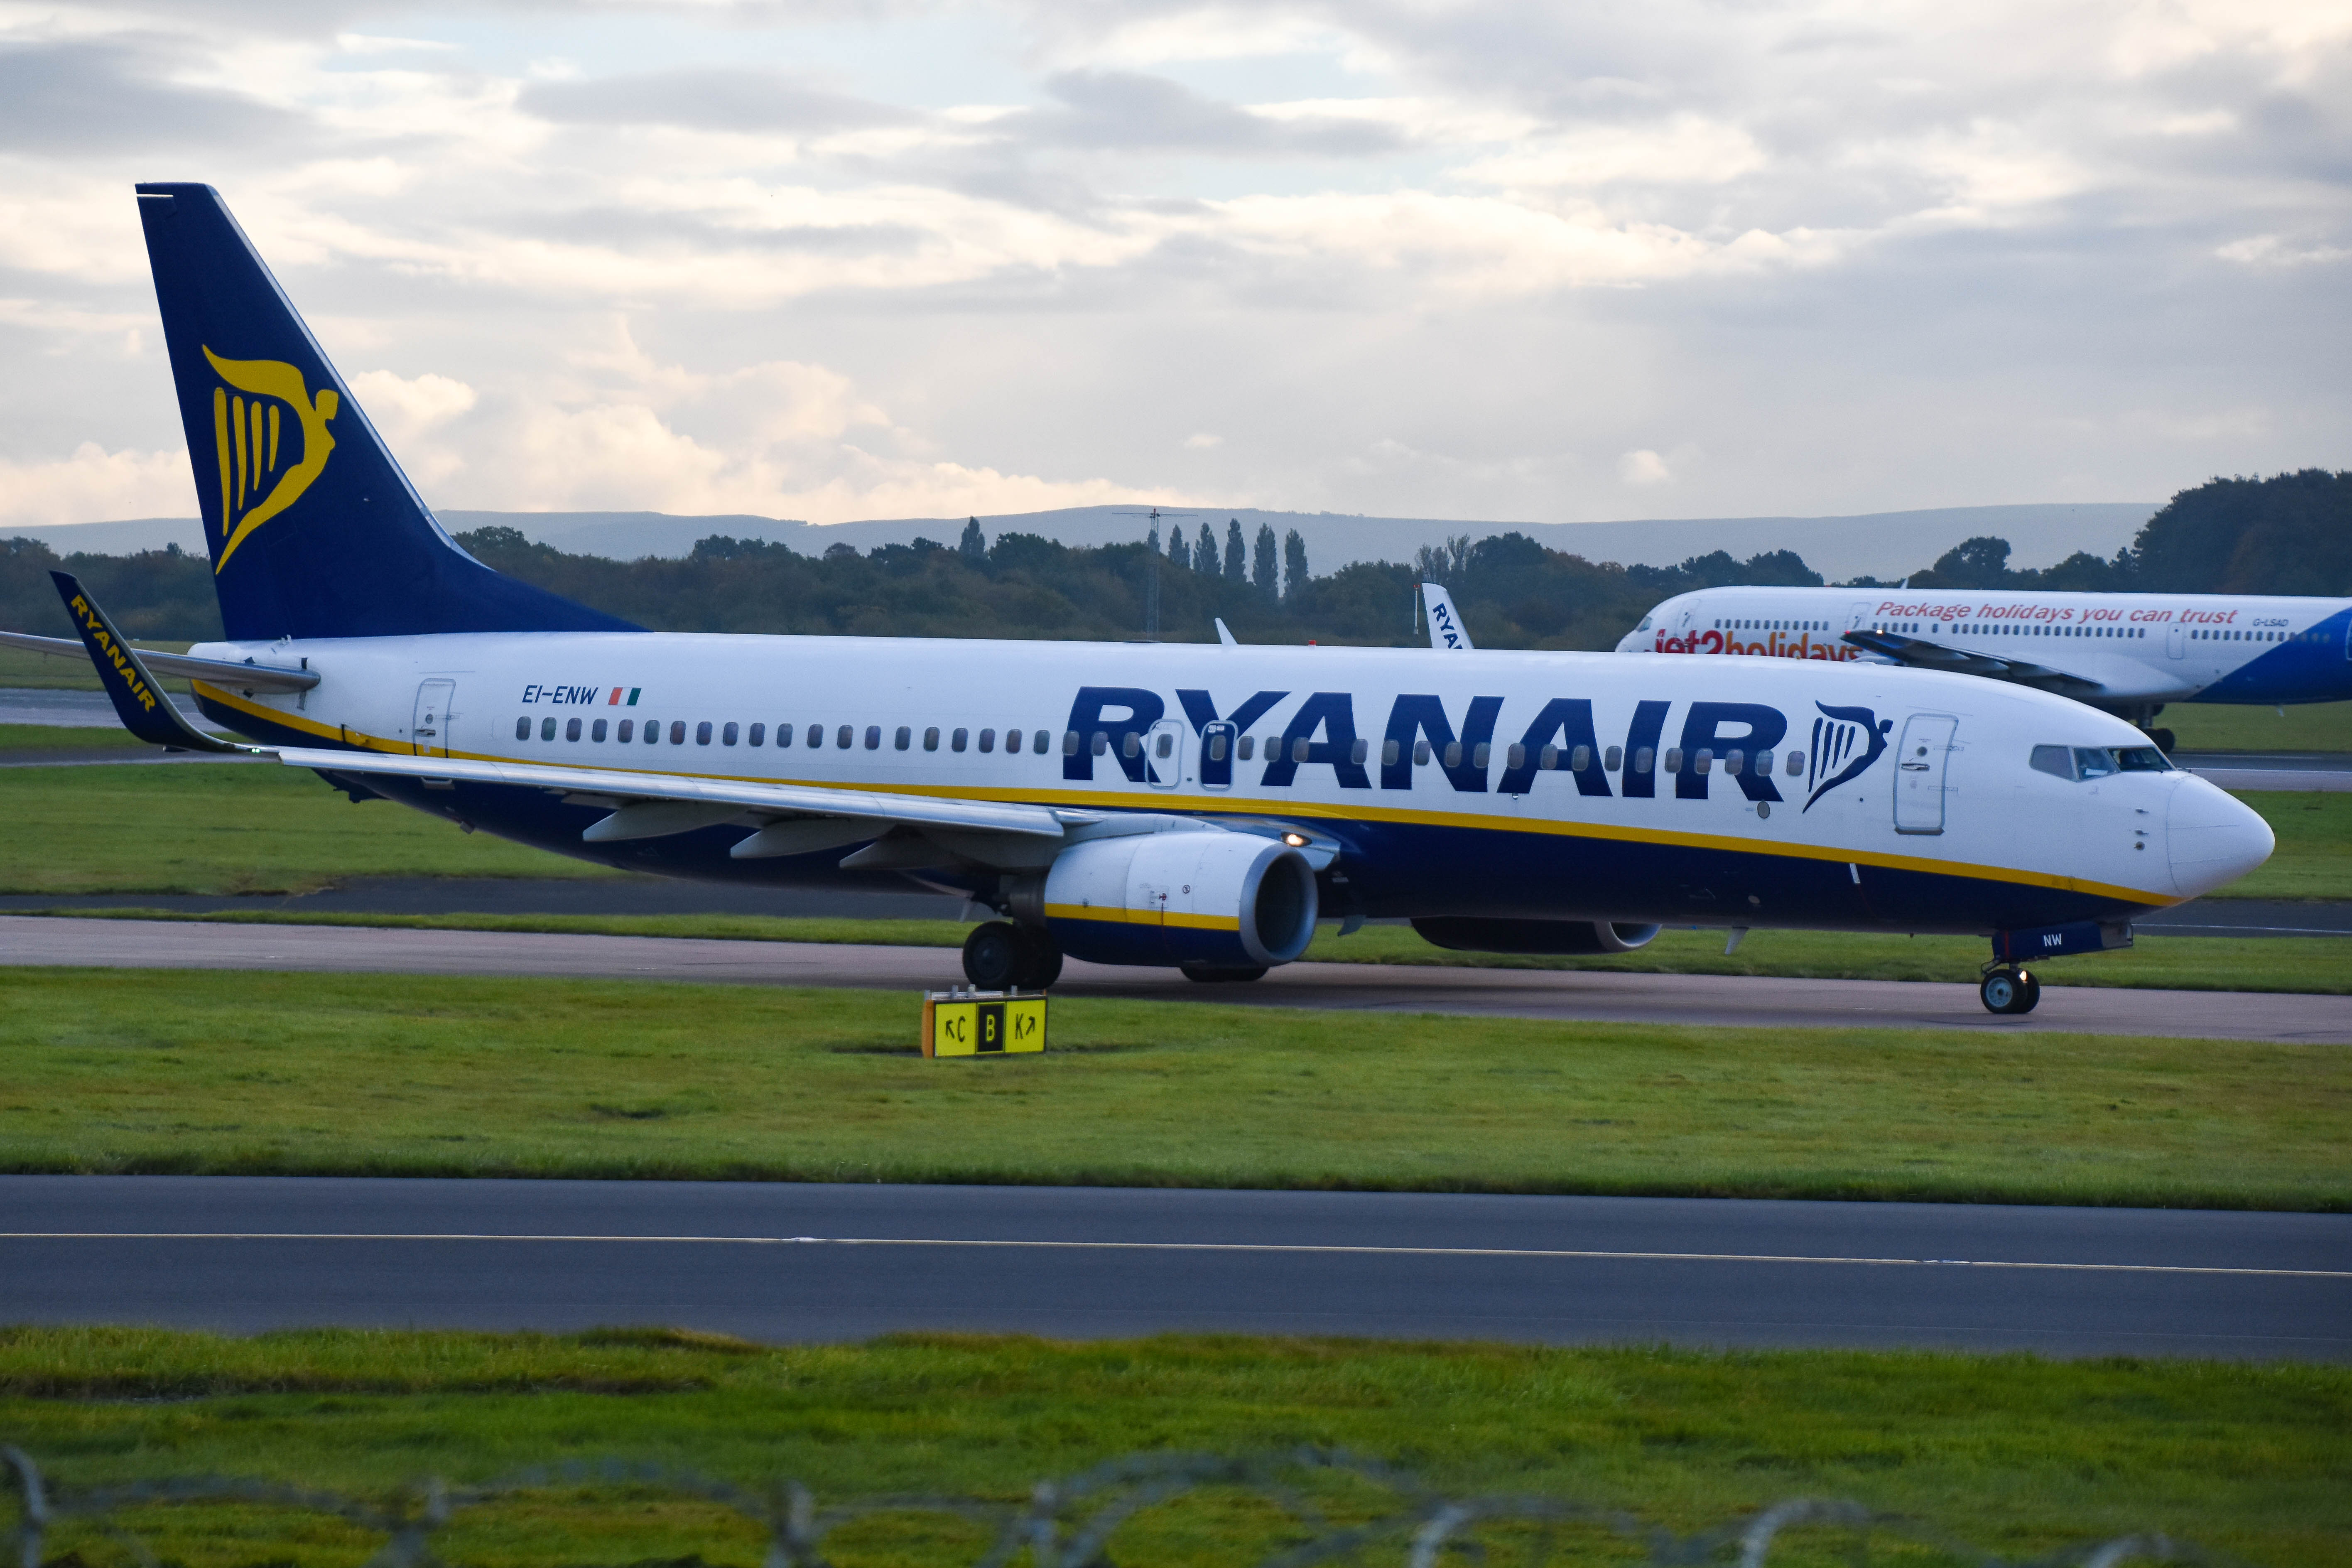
column 145, row 710
column 1224, row 635
column 1446, row 632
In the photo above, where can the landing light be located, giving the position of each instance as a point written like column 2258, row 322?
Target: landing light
column 1296, row 841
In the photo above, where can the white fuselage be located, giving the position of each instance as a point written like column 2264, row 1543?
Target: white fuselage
column 2137, row 648
column 1629, row 819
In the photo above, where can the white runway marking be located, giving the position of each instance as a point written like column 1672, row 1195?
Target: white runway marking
column 1585, row 1254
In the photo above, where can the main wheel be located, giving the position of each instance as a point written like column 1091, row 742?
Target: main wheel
column 992, row 955
column 1213, row 973
column 2163, row 739
column 2009, row 990
column 1040, row 962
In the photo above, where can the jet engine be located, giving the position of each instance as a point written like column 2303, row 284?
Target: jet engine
column 1205, row 900
column 1469, row 935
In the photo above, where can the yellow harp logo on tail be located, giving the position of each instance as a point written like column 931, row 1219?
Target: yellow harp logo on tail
column 260, row 474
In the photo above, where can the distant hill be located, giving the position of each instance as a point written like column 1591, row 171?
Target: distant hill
column 1872, row 545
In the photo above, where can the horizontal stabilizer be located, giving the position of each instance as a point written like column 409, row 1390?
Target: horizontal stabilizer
column 247, row 678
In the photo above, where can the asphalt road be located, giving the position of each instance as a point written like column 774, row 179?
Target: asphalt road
column 786, row 1262
column 1708, row 1000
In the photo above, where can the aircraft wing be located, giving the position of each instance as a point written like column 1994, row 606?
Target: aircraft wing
column 1921, row 654
column 630, row 794
column 219, row 671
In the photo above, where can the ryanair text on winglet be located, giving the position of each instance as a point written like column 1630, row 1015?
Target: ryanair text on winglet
column 115, row 656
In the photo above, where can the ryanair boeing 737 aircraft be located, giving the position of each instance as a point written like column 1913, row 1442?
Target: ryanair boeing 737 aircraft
column 1190, row 806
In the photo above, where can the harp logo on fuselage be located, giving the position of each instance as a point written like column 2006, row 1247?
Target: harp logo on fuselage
column 270, row 437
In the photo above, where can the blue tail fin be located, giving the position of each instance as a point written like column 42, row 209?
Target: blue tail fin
column 314, row 531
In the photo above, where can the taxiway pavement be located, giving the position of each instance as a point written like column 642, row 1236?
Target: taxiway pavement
column 1707, row 1000
column 784, row 1262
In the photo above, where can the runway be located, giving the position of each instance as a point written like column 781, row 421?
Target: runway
column 1704, row 1000
column 801, row 1263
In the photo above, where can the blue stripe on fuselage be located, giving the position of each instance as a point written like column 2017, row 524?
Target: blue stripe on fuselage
column 2297, row 670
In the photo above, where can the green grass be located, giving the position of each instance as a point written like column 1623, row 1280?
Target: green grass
column 62, row 738
column 2314, row 858
column 2226, row 727
column 2010, row 1454
column 230, row 828
column 186, row 1070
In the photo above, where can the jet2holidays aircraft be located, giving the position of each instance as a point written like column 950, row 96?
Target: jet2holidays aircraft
column 2128, row 654
column 1196, row 807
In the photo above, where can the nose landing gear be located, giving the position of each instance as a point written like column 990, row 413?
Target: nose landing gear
column 2009, row 990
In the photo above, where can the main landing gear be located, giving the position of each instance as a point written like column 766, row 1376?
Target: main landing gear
column 2007, row 990
column 1002, row 956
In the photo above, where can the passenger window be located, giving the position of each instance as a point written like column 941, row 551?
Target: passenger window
column 1012, row 742
column 1036, row 743
column 900, row 740
column 1548, row 759
column 815, row 736
column 547, row 728
column 1763, row 764
column 653, row 732
column 1580, row 759
column 2058, row 762
column 1217, row 747
column 1420, row 752
column 1130, row 745
column 759, row 735
column 960, row 740
column 1516, row 757
column 1168, row 744
column 1452, row 754
column 1704, row 760
column 1674, row 763
column 873, row 737
column 1615, row 755
column 597, row 730
column 702, row 733
column 1298, row 748
column 1101, row 743
column 988, row 739
column 627, row 731
column 1642, row 761
column 522, row 728
column 1247, row 747
column 1478, row 755
column 1732, row 763
column 730, row 734
column 845, row 737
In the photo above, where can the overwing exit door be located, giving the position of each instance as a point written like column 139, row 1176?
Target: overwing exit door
column 1919, row 772
column 429, row 734
column 1217, row 754
column 1164, row 748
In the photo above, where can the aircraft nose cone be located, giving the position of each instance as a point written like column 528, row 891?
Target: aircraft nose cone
column 2213, row 838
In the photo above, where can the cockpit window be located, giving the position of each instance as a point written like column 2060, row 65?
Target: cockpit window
column 1644, row 626
column 2079, row 762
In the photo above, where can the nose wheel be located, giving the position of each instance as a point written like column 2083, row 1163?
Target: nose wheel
column 2009, row 990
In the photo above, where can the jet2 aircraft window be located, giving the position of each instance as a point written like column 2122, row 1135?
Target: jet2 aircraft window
column 522, row 728
column 597, row 730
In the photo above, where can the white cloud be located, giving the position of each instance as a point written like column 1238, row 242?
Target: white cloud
column 1643, row 468
column 2271, row 251
column 1202, row 442
column 95, row 485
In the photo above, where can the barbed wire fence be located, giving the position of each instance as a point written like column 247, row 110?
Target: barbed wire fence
column 1065, row 1523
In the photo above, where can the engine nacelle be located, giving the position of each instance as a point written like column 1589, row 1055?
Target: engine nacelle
column 1226, row 900
column 1468, row 936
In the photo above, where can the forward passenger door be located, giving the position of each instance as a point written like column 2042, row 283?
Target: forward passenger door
column 1920, row 762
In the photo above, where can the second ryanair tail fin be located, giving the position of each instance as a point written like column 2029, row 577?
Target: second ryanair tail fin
column 314, row 531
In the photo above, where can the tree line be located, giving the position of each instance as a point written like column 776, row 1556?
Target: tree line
column 2288, row 534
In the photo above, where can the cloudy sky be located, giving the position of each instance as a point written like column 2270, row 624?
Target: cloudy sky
column 1495, row 259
